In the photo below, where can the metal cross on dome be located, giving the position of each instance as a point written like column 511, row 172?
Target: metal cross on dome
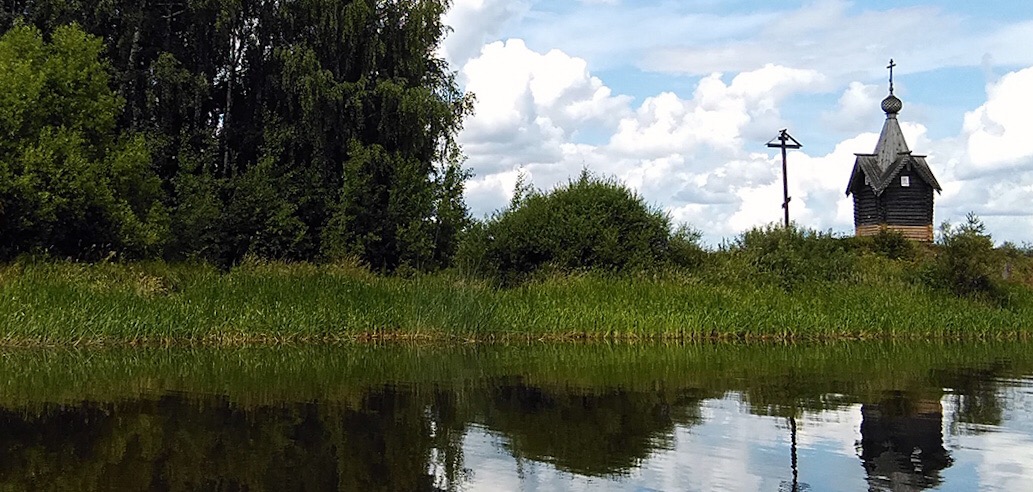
column 891, row 65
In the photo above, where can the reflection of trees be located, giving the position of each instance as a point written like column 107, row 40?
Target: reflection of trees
column 604, row 432
column 387, row 438
column 902, row 443
column 178, row 443
column 974, row 394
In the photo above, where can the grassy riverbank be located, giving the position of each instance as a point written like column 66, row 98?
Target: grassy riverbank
column 56, row 303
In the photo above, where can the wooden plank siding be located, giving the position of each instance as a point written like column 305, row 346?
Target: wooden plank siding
column 866, row 207
column 908, row 206
column 907, row 209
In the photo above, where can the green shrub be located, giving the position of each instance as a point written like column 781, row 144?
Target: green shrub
column 590, row 223
column 887, row 244
column 966, row 263
column 684, row 250
column 791, row 256
column 893, row 245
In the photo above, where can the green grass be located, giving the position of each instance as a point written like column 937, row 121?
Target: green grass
column 69, row 304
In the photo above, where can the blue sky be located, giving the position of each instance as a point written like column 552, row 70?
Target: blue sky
column 678, row 98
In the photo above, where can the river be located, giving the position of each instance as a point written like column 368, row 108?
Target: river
column 845, row 416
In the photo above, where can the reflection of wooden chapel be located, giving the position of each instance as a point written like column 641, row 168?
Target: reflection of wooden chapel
column 902, row 443
column 893, row 188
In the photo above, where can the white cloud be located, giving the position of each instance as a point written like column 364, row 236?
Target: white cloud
column 1000, row 132
column 856, row 109
column 988, row 168
column 530, row 109
column 475, row 22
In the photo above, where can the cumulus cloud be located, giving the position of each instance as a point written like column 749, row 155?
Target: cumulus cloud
column 856, row 108
column 684, row 154
column 474, row 22
column 718, row 115
column 530, row 109
column 988, row 168
column 1000, row 132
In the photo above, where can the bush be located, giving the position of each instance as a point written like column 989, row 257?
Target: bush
column 887, row 244
column 966, row 263
column 589, row 223
column 893, row 245
column 792, row 256
column 684, row 250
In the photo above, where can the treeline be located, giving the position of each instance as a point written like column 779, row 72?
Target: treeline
column 215, row 129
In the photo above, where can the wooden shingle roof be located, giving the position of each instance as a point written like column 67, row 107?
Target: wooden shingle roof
column 890, row 156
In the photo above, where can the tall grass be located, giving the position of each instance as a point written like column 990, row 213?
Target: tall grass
column 276, row 303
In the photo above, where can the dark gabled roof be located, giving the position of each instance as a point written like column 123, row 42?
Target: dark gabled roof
column 921, row 167
column 890, row 156
column 880, row 179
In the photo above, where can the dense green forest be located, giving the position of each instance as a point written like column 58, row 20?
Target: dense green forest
column 214, row 129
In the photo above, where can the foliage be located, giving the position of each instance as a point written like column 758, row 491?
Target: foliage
column 792, row 256
column 966, row 264
column 70, row 184
column 684, row 249
column 299, row 129
column 266, row 302
column 893, row 245
column 589, row 223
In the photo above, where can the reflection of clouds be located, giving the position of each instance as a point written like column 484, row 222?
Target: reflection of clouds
column 732, row 449
column 1004, row 461
column 832, row 431
column 1002, row 458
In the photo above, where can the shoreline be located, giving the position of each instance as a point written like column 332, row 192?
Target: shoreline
column 228, row 341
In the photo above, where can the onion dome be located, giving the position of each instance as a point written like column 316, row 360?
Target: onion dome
column 892, row 104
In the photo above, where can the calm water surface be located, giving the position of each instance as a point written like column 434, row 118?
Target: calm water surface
column 585, row 417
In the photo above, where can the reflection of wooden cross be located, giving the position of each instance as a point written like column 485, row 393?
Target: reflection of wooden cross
column 891, row 65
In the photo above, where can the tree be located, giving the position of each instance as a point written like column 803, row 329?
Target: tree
column 69, row 183
column 325, row 126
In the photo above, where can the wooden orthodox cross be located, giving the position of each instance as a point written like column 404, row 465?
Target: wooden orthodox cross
column 785, row 141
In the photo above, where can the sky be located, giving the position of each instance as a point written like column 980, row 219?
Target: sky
column 677, row 99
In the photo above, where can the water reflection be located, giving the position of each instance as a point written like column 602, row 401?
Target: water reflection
column 902, row 443
column 409, row 419
column 181, row 442
column 595, row 433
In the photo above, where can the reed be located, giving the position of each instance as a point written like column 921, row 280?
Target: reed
column 155, row 303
